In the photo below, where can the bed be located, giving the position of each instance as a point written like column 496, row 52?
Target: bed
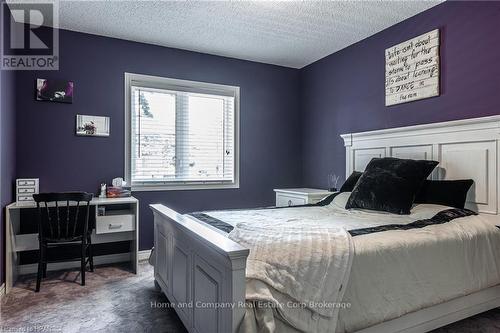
column 398, row 281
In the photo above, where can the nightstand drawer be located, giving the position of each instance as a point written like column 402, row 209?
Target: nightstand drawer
column 286, row 200
column 114, row 223
column 298, row 196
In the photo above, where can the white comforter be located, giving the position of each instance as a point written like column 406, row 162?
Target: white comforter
column 395, row 272
column 301, row 273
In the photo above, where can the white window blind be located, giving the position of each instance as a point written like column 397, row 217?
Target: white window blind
column 181, row 134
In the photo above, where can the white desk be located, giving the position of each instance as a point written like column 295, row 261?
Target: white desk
column 119, row 225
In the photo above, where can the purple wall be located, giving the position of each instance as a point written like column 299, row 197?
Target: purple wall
column 7, row 155
column 290, row 119
column 47, row 147
column 344, row 92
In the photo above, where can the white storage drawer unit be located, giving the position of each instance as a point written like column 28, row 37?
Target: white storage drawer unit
column 25, row 188
column 299, row 196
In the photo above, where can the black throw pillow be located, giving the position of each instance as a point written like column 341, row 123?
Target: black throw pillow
column 390, row 184
column 351, row 182
column 452, row 193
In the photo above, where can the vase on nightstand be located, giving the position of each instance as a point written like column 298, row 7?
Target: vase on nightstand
column 333, row 180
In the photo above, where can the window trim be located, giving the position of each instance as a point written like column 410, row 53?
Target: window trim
column 186, row 85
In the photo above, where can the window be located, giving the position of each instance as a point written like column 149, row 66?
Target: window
column 180, row 134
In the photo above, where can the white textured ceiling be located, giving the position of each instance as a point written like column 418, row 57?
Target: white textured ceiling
column 287, row 33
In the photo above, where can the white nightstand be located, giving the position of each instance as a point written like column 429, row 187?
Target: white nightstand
column 299, row 196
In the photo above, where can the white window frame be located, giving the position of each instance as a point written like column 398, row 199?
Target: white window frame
column 195, row 86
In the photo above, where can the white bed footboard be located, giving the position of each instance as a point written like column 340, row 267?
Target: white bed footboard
column 201, row 272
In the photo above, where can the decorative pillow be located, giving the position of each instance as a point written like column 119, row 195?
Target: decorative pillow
column 390, row 184
column 452, row 193
column 351, row 182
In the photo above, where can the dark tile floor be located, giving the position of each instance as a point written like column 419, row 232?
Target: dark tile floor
column 115, row 300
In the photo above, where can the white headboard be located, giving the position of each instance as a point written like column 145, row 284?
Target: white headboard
column 465, row 149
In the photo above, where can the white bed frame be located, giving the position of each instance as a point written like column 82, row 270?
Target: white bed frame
column 196, row 266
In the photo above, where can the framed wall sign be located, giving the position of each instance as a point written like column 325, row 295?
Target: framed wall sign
column 412, row 69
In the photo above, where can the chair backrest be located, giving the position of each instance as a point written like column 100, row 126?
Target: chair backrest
column 60, row 215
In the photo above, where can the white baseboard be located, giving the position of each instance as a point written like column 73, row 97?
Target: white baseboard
column 98, row 260
column 143, row 255
column 2, row 291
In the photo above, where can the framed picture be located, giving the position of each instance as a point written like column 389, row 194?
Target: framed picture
column 54, row 91
column 412, row 69
column 92, row 125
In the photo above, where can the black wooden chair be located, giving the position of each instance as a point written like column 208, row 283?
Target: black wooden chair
column 62, row 221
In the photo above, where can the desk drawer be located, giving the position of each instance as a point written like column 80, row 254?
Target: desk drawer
column 114, row 223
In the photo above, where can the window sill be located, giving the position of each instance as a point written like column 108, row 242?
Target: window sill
column 150, row 188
